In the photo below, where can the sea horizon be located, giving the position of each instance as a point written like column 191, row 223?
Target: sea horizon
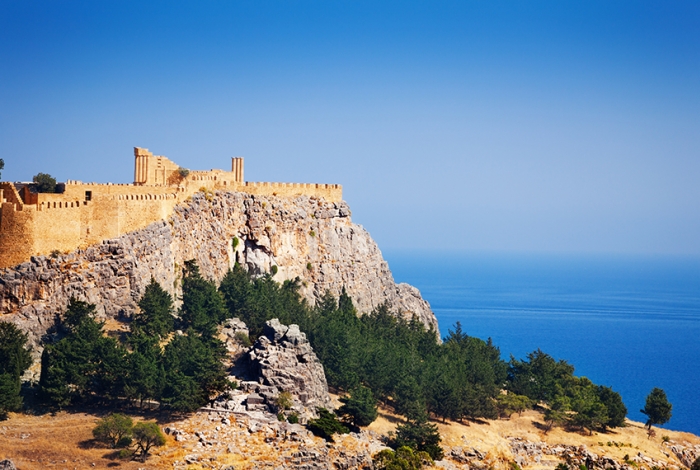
column 630, row 322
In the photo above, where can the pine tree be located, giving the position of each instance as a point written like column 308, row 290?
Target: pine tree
column 15, row 359
column 359, row 408
column 156, row 312
column 202, row 305
column 657, row 408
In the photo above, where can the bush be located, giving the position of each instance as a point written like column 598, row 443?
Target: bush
column 243, row 339
column 326, row 425
column 284, row 401
column 293, row 418
column 147, row 435
column 126, row 454
column 404, row 458
column 115, row 430
column 696, row 464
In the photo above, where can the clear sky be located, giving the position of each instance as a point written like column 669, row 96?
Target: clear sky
column 559, row 126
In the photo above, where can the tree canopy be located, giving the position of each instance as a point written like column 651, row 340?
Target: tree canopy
column 657, row 408
column 45, row 183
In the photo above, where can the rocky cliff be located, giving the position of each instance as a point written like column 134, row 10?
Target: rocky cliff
column 305, row 237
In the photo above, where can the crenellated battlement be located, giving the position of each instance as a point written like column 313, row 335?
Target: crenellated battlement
column 81, row 214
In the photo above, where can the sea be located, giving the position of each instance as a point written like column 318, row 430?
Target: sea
column 628, row 322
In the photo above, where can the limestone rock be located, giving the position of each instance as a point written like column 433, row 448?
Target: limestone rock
column 7, row 465
column 304, row 237
column 284, row 361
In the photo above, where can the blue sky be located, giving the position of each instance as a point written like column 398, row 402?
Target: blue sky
column 473, row 126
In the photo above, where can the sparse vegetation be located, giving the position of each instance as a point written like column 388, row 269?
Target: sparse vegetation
column 284, row 401
column 234, row 243
column 243, row 339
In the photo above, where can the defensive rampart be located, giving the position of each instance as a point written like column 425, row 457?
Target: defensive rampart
column 83, row 214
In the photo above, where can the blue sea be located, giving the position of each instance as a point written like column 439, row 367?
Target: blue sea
column 632, row 323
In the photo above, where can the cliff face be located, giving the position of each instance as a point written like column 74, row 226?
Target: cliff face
column 305, row 237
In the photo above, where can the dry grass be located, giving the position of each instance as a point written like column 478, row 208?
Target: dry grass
column 64, row 441
column 490, row 436
column 61, row 441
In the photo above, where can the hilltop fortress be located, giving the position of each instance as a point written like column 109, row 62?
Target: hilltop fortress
column 82, row 214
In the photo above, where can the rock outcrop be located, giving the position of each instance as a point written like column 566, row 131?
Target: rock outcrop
column 305, row 237
column 283, row 360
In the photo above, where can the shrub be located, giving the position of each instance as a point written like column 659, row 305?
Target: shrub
column 115, row 430
column 696, row 464
column 126, row 454
column 234, row 242
column 243, row 339
column 326, row 425
column 309, row 266
column 293, row 418
column 312, row 233
column 183, row 172
column 284, row 401
column 274, row 269
column 148, row 435
column 403, row 458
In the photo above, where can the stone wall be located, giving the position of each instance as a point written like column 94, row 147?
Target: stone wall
column 87, row 213
column 306, row 237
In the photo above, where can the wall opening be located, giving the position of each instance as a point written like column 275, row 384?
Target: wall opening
column 88, row 195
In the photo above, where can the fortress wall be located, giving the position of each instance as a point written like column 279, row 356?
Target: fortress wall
column 57, row 228
column 138, row 213
column 76, row 190
column 16, row 241
column 330, row 192
column 10, row 194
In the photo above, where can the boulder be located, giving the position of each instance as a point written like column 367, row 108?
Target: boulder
column 284, row 361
